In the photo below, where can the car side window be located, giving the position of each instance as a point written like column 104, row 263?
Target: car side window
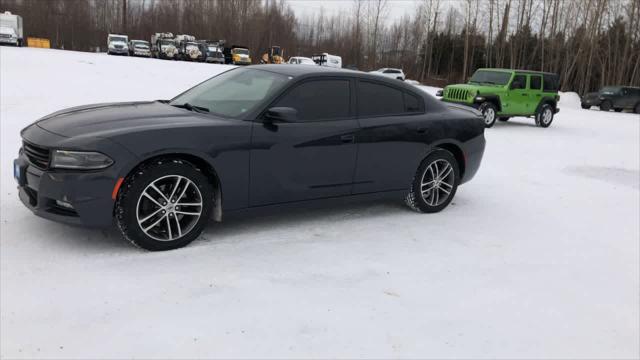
column 535, row 82
column 319, row 100
column 378, row 100
column 549, row 83
column 412, row 103
column 519, row 82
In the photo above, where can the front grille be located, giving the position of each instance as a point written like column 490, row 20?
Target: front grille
column 119, row 46
column 457, row 94
column 5, row 35
column 37, row 155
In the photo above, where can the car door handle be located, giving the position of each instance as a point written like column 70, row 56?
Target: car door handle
column 347, row 138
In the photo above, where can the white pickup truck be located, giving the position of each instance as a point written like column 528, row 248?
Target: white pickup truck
column 11, row 31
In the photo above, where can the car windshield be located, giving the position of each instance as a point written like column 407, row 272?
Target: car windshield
column 490, row 77
column 240, row 51
column 166, row 42
column 141, row 45
column 610, row 90
column 232, row 93
column 117, row 38
column 192, row 47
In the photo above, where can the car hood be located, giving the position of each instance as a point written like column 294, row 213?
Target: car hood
column 475, row 87
column 101, row 120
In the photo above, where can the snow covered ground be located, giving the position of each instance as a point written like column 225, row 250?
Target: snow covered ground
column 538, row 256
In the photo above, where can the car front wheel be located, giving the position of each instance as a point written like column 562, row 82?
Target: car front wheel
column 544, row 116
column 489, row 113
column 606, row 105
column 435, row 183
column 164, row 205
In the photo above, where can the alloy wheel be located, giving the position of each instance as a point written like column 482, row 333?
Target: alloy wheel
column 169, row 208
column 489, row 115
column 547, row 115
column 437, row 182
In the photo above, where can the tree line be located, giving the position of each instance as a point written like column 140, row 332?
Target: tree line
column 589, row 43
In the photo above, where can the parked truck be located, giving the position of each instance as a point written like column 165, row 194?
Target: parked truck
column 214, row 51
column 163, row 46
column 11, row 31
column 237, row 55
column 117, row 44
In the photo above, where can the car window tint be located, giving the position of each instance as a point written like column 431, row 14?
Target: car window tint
column 376, row 100
column 535, row 82
column 550, row 83
column 412, row 103
column 319, row 100
column 519, row 82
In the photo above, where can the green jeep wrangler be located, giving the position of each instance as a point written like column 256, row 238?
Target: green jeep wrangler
column 502, row 93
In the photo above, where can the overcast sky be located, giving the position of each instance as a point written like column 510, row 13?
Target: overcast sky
column 397, row 8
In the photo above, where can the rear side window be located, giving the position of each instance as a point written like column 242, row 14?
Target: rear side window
column 550, row 83
column 535, row 82
column 412, row 103
column 378, row 100
column 319, row 100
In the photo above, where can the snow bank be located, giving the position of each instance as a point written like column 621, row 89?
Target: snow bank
column 538, row 256
column 569, row 100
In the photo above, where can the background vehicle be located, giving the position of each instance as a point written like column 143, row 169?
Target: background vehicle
column 617, row 98
column 139, row 48
column 390, row 73
column 163, row 46
column 325, row 59
column 247, row 138
column 237, row 55
column 117, row 44
column 273, row 55
column 11, row 31
column 301, row 60
column 190, row 51
column 214, row 51
column 502, row 93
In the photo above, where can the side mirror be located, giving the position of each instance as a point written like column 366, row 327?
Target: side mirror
column 516, row 85
column 282, row 114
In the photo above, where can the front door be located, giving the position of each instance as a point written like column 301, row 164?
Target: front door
column 309, row 158
column 518, row 96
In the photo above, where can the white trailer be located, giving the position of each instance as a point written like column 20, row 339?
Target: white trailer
column 11, row 31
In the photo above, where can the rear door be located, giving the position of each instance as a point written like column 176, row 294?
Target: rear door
column 535, row 92
column 313, row 157
column 390, row 141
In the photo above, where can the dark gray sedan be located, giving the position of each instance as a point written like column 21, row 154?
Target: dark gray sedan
column 248, row 138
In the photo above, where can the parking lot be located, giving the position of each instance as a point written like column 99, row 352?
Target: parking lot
column 538, row 255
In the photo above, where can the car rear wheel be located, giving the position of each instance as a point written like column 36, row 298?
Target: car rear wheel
column 544, row 116
column 606, row 105
column 435, row 183
column 489, row 113
column 164, row 205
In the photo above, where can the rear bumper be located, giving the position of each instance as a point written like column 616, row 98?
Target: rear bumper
column 473, row 152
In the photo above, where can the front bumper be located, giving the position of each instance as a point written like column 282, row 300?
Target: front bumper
column 242, row 62
column 12, row 41
column 118, row 51
column 474, row 105
column 89, row 193
column 142, row 53
column 215, row 60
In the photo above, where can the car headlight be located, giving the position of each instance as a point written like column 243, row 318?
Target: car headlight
column 87, row 160
column 479, row 98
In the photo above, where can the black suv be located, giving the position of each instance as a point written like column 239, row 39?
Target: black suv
column 614, row 97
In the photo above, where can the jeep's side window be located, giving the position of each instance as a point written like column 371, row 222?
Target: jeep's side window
column 519, row 82
column 550, row 83
column 535, row 82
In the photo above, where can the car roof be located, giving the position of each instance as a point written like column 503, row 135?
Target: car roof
column 519, row 71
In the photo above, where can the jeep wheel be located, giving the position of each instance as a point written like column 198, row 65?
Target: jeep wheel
column 488, row 111
column 585, row 106
column 606, row 105
column 618, row 109
column 544, row 116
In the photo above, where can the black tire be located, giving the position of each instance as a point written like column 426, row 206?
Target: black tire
column 504, row 118
column 585, row 106
column 637, row 108
column 618, row 109
column 430, row 202
column 606, row 105
column 544, row 115
column 130, row 199
column 489, row 113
